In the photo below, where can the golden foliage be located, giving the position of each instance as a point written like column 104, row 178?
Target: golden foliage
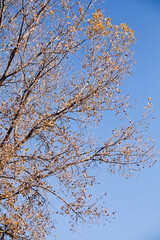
column 60, row 71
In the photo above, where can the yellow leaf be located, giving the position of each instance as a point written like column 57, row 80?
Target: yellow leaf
column 81, row 10
column 52, row 12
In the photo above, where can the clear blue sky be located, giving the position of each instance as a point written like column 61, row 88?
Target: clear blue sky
column 136, row 200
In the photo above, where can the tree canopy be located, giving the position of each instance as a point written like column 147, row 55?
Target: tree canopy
column 62, row 67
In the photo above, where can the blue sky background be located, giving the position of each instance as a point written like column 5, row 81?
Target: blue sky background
column 136, row 200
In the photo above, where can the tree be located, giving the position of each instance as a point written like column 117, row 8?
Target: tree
column 62, row 65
